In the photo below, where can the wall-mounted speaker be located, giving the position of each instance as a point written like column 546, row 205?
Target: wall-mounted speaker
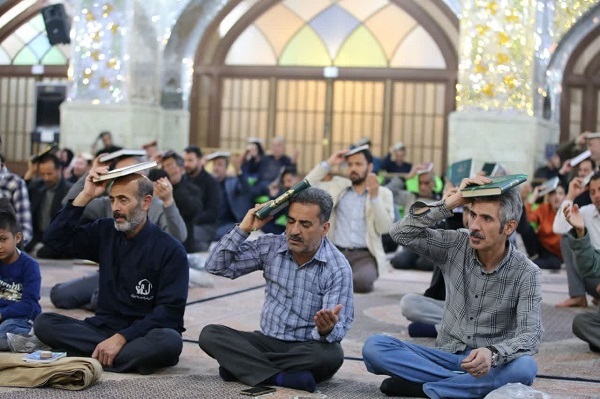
column 57, row 23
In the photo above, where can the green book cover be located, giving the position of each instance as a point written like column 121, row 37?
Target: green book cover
column 498, row 185
column 460, row 170
column 282, row 201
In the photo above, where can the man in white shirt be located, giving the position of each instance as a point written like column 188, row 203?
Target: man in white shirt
column 363, row 211
column 578, row 285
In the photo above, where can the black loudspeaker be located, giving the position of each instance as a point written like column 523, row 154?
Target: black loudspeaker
column 57, row 24
column 47, row 104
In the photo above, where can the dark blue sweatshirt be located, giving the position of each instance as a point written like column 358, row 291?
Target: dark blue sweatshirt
column 143, row 280
column 20, row 283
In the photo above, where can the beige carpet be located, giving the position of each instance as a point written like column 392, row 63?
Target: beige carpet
column 562, row 359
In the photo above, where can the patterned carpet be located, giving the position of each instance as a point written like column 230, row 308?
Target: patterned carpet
column 201, row 386
column 193, row 386
column 567, row 369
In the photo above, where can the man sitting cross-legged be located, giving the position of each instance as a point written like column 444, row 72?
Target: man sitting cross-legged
column 491, row 325
column 308, row 307
column 82, row 292
column 143, row 281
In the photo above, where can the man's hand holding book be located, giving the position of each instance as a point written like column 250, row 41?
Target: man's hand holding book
column 92, row 189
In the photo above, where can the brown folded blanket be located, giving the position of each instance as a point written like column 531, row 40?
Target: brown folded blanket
column 72, row 373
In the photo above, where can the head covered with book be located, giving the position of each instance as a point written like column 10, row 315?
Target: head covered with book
column 308, row 221
column 130, row 198
column 360, row 163
column 555, row 194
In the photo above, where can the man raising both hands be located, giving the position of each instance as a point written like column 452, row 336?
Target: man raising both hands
column 308, row 307
column 491, row 325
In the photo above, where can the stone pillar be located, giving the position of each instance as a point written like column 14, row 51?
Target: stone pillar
column 115, row 71
column 497, row 117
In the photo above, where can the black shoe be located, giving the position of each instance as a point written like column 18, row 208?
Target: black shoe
column 398, row 386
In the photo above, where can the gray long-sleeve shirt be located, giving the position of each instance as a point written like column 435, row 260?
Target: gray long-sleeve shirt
column 501, row 307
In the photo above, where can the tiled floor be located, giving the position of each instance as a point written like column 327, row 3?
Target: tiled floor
column 237, row 303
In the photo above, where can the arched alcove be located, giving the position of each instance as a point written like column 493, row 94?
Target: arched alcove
column 260, row 71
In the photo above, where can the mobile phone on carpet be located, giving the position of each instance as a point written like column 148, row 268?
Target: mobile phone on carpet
column 257, row 391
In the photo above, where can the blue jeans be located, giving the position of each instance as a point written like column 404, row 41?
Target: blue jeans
column 439, row 371
column 15, row 326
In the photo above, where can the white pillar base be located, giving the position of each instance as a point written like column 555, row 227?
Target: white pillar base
column 516, row 141
column 131, row 125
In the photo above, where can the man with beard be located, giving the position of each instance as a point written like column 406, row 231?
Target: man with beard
column 363, row 211
column 187, row 196
column 82, row 292
column 45, row 194
column 308, row 308
column 143, row 281
column 205, row 223
column 491, row 324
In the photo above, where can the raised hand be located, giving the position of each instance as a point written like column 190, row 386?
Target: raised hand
column 535, row 195
column 455, row 200
column 337, row 157
column 372, row 185
column 92, row 189
column 449, row 189
column 96, row 162
column 575, row 188
column 274, row 188
column 251, row 223
column 566, row 167
column 575, row 219
column 164, row 190
column 326, row 319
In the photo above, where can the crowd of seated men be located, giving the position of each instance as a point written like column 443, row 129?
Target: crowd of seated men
column 197, row 200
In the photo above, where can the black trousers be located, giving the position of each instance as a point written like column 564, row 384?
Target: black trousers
column 81, row 292
column 407, row 259
column 252, row 357
column 161, row 347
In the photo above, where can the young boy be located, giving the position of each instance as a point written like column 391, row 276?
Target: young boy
column 20, row 282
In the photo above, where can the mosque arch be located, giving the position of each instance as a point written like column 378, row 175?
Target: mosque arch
column 567, row 108
column 406, row 103
column 580, row 96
